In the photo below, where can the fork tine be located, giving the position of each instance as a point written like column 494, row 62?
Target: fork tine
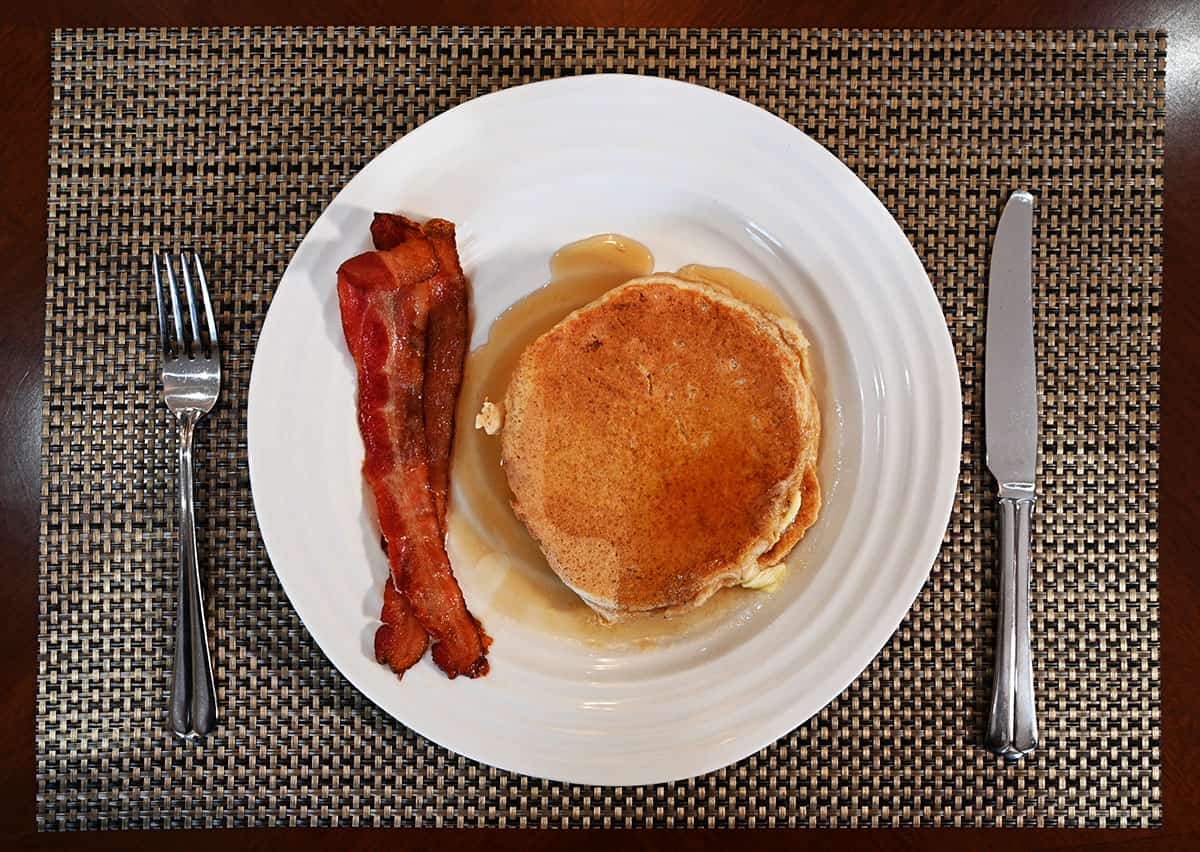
column 208, row 308
column 196, row 340
column 180, row 340
column 163, row 340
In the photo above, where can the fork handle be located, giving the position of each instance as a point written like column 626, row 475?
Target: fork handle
column 193, row 693
column 1012, row 728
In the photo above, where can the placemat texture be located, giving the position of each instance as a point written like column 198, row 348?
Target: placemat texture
column 236, row 139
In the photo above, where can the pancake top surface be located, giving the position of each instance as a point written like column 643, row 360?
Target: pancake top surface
column 656, row 442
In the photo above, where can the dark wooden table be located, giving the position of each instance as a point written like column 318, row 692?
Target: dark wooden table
column 24, row 133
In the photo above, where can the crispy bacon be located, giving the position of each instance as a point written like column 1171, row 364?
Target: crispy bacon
column 398, row 640
column 445, row 340
column 389, row 230
column 388, row 300
column 401, row 639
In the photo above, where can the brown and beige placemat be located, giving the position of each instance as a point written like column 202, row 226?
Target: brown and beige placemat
column 236, row 139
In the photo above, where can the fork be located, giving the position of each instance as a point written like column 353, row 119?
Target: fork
column 191, row 376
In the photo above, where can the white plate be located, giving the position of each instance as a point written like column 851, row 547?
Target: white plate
column 699, row 177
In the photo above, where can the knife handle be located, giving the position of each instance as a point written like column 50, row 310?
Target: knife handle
column 1012, row 728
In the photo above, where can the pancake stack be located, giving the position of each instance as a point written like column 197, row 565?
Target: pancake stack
column 661, row 443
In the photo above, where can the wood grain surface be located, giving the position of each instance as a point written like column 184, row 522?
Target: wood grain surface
column 24, row 121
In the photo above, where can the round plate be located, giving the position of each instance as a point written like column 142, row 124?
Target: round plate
column 699, row 177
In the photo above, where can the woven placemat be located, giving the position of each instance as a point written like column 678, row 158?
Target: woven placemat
column 236, row 139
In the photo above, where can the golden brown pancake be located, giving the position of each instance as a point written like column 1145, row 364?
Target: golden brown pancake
column 660, row 444
column 810, row 503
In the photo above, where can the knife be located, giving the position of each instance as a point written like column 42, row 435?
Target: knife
column 1010, row 414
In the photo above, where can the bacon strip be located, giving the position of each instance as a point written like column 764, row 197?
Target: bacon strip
column 388, row 299
column 400, row 640
column 389, row 230
column 445, row 340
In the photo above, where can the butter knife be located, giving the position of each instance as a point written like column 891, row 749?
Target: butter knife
column 1010, row 414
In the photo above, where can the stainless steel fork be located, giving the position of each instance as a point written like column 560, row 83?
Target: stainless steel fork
column 191, row 375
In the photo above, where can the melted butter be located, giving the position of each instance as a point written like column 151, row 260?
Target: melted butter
column 769, row 579
column 484, row 534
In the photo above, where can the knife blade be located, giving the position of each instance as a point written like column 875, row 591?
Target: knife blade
column 1010, row 418
column 1010, row 383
